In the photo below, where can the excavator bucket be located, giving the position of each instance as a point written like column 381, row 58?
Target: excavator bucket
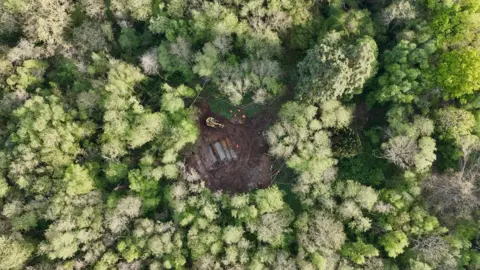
column 211, row 122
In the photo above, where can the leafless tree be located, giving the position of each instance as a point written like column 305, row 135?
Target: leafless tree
column 401, row 151
column 149, row 63
column 455, row 194
column 136, row 265
column 181, row 48
column 400, row 10
column 435, row 251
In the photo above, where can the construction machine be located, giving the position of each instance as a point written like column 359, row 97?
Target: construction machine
column 211, row 122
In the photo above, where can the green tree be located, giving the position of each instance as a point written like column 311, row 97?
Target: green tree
column 140, row 10
column 76, row 225
column 410, row 146
column 47, row 23
column 273, row 228
column 458, row 73
column 417, row 265
column 154, row 239
column 206, row 61
column 177, row 56
column 454, row 123
column 146, row 187
column 78, row 180
column 232, row 234
column 46, row 140
column 346, row 143
column 14, row 251
column 126, row 209
column 145, row 128
column 357, row 251
column 330, row 71
column 455, row 23
column 407, row 72
column 301, row 138
column 127, row 123
column 394, row 243
column 269, row 200
column 29, row 75
column 4, row 187
column 129, row 40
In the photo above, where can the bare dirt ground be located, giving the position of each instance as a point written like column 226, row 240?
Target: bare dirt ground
column 246, row 165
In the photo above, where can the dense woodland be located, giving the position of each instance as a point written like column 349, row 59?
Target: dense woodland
column 375, row 139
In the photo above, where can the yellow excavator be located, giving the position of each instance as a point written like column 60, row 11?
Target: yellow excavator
column 211, row 122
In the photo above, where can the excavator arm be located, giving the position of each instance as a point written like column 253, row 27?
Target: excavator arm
column 211, row 122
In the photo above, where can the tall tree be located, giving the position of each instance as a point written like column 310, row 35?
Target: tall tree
column 330, row 71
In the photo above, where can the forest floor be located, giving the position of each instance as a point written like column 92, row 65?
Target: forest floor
column 244, row 163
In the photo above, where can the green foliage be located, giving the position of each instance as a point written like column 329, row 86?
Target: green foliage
column 115, row 171
column 448, row 155
column 118, row 104
column 176, row 56
column 454, row 123
column 254, row 78
column 140, row 10
column 144, row 129
column 28, row 75
column 78, row 180
column 407, row 72
column 365, row 168
column 346, row 144
column 172, row 98
column 357, row 251
column 394, row 243
column 99, row 121
column 232, row 235
column 354, row 22
column 128, row 40
column 329, row 71
column 147, row 188
column 299, row 137
column 108, row 260
column 206, row 61
column 318, row 261
column 67, row 76
column 82, row 214
column 14, row 252
column 410, row 145
column 417, row 265
column 47, row 23
column 458, row 73
column 4, row 187
column 46, row 140
column 455, row 23
column 171, row 27
column 269, row 200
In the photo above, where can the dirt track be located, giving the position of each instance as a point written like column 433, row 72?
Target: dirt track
column 251, row 167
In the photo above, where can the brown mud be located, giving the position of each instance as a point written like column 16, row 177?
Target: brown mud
column 233, row 158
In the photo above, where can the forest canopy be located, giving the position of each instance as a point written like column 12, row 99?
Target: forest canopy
column 372, row 112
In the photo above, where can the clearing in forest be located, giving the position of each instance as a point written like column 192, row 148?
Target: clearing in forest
column 232, row 158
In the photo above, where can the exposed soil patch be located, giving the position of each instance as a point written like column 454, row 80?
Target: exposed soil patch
column 360, row 116
column 233, row 158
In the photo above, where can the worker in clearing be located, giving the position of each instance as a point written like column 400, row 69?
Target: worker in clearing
column 211, row 122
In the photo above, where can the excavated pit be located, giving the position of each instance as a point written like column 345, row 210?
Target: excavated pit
column 233, row 158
